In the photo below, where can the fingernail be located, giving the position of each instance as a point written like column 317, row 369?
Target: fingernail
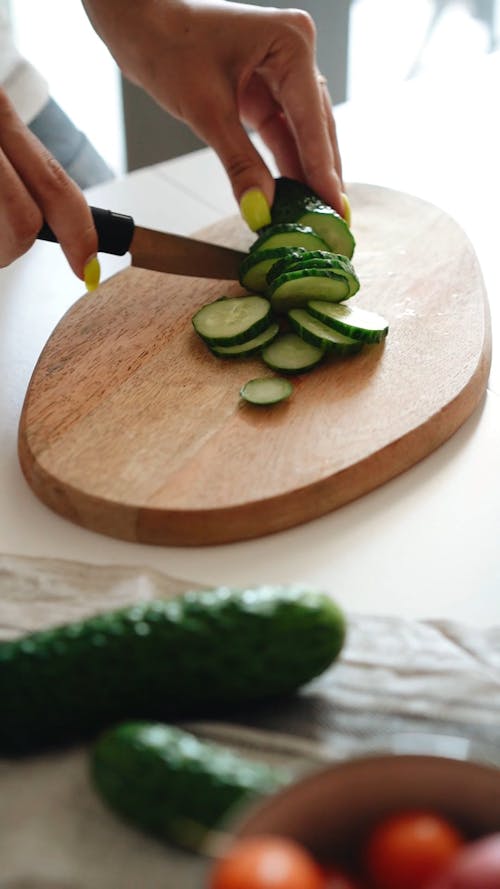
column 255, row 209
column 92, row 273
column 347, row 208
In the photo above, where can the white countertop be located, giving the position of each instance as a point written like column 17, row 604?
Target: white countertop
column 424, row 545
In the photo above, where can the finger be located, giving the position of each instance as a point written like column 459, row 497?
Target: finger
column 260, row 111
column 220, row 126
column 20, row 218
column 275, row 133
column 291, row 74
column 310, row 122
column 59, row 199
column 332, row 129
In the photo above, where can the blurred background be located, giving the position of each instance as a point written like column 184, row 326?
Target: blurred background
column 365, row 47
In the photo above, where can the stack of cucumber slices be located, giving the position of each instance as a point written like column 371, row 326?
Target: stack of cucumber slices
column 298, row 274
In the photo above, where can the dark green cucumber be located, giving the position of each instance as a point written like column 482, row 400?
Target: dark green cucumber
column 173, row 785
column 255, row 267
column 360, row 324
column 202, row 652
column 295, row 289
column 316, row 259
column 320, row 335
column 295, row 202
column 266, row 390
column 288, row 234
column 231, row 320
column 250, row 347
column 290, row 354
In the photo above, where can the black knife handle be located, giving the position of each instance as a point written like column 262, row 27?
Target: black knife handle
column 114, row 230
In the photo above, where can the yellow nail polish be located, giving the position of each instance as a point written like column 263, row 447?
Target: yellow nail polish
column 92, row 273
column 347, row 208
column 255, row 209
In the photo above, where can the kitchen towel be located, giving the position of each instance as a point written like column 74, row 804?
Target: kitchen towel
column 395, row 677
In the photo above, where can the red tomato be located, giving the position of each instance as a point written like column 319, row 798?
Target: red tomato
column 267, row 862
column 339, row 879
column 407, row 850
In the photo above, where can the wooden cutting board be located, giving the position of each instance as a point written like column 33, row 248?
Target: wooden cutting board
column 132, row 428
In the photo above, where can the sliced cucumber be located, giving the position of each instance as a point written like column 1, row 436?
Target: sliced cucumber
column 255, row 266
column 318, row 334
column 250, row 347
column 316, row 259
column 291, row 354
column 266, row 390
column 297, row 288
column 330, row 226
column 360, row 324
column 288, row 235
column 294, row 201
column 232, row 320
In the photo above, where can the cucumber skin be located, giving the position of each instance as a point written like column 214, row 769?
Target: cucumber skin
column 163, row 779
column 311, row 259
column 202, row 652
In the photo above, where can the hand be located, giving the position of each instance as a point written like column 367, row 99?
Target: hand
column 219, row 66
column 33, row 187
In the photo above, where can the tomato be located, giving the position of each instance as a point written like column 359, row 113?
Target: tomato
column 407, row 850
column 339, row 879
column 267, row 862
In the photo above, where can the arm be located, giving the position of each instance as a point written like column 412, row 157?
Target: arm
column 33, row 186
column 219, row 66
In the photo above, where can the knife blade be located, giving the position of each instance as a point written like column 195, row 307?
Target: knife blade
column 159, row 251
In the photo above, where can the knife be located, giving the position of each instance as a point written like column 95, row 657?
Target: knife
column 159, row 251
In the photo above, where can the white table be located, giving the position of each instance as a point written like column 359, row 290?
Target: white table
column 424, row 545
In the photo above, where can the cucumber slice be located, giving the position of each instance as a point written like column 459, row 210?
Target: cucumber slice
column 337, row 268
column 316, row 259
column 291, row 354
column 297, row 288
column 330, row 226
column 360, row 324
column 266, row 390
column 288, row 234
column 295, row 202
column 250, row 347
column 258, row 263
column 232, row 320
column 319, row 334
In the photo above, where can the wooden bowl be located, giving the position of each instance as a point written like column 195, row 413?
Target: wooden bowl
column 332, row 809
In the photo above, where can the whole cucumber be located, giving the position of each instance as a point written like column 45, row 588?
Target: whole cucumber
column 203, row 651
column 174, row 785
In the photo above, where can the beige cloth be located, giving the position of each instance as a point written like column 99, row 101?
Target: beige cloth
column 394, row 677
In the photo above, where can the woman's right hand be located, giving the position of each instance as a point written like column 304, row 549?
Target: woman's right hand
column 33, row 188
